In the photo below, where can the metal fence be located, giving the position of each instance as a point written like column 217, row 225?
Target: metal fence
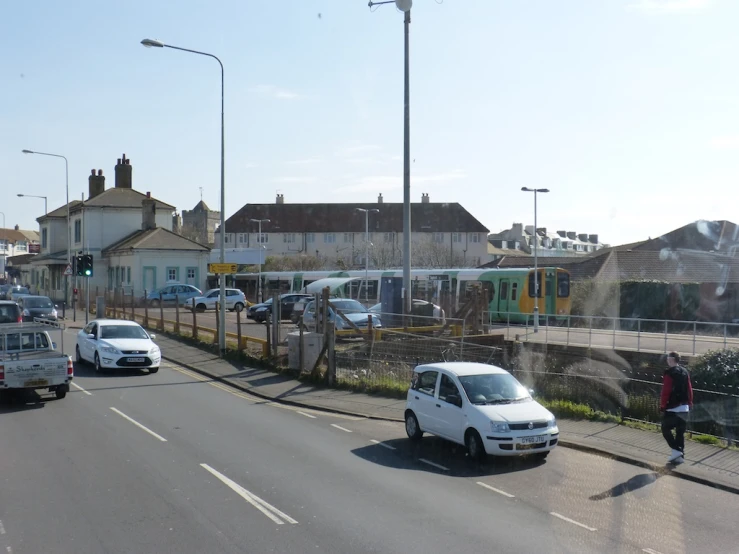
column 640, row 335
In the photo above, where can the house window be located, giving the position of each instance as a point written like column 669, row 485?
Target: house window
column 3, row 245
column 21, row 246
column 310, row 237
column 262, row 238
column 475, row 237
column 456, row 237
column 78, row 231
column 191, row 274
column 438, row 237
column 289, row 238
column 242, row 238
column 347, row 237
column 388, row 237
column 172, row 273
column 128, row 275
column 44, row 238
column 329, row 238
column 227, row 238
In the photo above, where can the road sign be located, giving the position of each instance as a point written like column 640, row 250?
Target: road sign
column 68, row 271
column 222, row 268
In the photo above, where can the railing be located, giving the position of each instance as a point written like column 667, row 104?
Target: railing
column 620, row 333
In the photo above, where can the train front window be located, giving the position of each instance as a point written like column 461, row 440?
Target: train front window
column 531, row 285
column 563, row 285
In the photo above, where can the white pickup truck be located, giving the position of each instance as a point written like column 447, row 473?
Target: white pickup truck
column 29, row 359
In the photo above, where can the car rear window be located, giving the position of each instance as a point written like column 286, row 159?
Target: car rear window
column 9, row 313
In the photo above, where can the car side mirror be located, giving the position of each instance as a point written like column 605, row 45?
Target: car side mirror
column 56, row 306
column 152, row 336
column 531, row 392
column 91, row 336
column 53, row 346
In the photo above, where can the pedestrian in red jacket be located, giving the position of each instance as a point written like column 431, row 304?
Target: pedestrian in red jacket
column 675, row 404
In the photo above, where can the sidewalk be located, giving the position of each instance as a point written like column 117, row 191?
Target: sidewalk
column 705, row 464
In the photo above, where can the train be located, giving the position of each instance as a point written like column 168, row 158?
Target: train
column 510, row 290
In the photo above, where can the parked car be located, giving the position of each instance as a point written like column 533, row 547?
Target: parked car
column 116, row 343
column 263, row 312
column 14, row 293
column 419, row 307
column 171, row 293
column 4, row 291
column 37, row 306
column 10, row 312
column 353, row 310
column 480, row 406
column 235, row 300
column 299, row 308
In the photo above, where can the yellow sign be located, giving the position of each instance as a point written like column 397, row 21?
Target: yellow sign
column 222, row 268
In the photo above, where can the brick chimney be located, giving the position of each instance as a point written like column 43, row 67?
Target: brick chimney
column 17, row 228
column 97, row 183
column 123, row 173
column 148, row 213
column 379, row 198
column 572, row 235
column 583, row 237
column 280, row 198
column 425, row 198
column 593, row 239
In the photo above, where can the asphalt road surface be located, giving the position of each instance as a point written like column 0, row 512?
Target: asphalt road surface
column 172, row 462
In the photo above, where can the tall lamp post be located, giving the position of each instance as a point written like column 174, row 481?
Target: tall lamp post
column 261, row 251
column 149, row 43
column 366, row 249
column 537, row 293
column 69, row 230
column 45, row 199
column 4, row 245
column 405, row 6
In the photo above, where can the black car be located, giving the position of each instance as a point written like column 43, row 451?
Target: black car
column 259, row 312
column 37, row 306
column 10, row 312
column 4, row 291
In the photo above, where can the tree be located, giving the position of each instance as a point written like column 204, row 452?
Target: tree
column 431, row 254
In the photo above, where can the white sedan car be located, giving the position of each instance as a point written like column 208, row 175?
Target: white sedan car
column 482, row 407
column 235, row 300
column 114, row 343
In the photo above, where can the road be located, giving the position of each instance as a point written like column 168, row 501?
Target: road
column 172, row 462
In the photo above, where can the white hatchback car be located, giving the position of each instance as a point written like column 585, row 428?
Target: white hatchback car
column 482, row 407
column 235, row 300
column 115, row 343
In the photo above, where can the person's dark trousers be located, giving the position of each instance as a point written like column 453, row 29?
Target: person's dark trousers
column 670, row 421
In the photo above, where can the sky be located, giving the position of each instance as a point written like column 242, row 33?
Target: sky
column 625, row 109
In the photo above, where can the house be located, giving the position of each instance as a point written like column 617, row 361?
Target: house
column 442, row 234
column 115, row 225
column 15, row 242
column 560, row 243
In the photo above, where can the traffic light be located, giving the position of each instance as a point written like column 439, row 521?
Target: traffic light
column 87, row 265
column 77, row 262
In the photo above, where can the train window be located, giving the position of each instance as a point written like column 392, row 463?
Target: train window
column 514, row 291
column 531, row 285
column 504, row 290
column 563, row 284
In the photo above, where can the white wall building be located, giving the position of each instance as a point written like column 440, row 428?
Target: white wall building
column 559, row 243
column 16, row 242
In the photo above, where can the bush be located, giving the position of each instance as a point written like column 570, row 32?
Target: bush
column 718, row 368
column 707, row 439
column 570, row 410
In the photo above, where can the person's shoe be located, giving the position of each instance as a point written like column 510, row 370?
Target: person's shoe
column 676, row 454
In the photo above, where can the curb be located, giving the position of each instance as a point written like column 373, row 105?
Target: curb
column 253, row 392
column 565, row 443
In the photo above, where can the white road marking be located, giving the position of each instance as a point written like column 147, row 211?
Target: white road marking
column 429, row 462
column 306, row 415
column 75, row 385
column 568, row 520
column 137, row 424
column 495, row 490
column 341, row 428
column 650, row 551
column 9, row 550
column 2, row 528
column 382, row 444
column 266, row 508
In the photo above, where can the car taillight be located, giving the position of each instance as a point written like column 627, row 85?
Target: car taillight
column 70, row 366
column 2, row 372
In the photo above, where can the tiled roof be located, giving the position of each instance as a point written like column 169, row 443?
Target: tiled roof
column 155, row 239
column 340, row 218
column 21, row 259
column 201, row 207
column 60, row 212
column 670, row 266
column 53, row 258
column 580, row 267
column 700, row 235
column 11, row 235
column 111, row 198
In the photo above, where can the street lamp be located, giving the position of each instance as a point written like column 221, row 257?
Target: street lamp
column 4, row 245
column 537, row 294
column 46, row 205
column 261, row 251
column 69, row 229
column 405, row 6
column 366, row 250
column 149, row 43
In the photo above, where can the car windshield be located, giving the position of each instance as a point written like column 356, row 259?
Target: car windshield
column 494, row 388
column 349, row 306
column 122, row 332
column 37, row 302
column 20, row 290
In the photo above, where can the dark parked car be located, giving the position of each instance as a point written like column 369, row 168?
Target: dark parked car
column 261, row 312
column 4, row 291
column 37, row 306
column 10, row 312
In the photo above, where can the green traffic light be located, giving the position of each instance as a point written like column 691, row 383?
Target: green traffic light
column 88, row 272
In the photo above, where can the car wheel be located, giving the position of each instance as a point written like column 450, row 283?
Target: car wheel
column 475, row 448
column 78, row 355
column 98, row 367
column 61, row 391
column 153, row 369
column 412, row 428
column 239, row 307
column 200, row 307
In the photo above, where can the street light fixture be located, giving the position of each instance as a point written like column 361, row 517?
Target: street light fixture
column 537, row 294
column 366, row 250
column 405, row 6
column 4, row 245
column 261, row 252
column 46, row 204
column 69, row 230
column 152, row 43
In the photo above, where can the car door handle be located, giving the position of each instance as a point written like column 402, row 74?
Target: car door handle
column 438, row 405
column 416, row 398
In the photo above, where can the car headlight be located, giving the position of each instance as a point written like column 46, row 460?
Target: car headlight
column 110, row 350
column 552, row 423
column 154, row 350
column 499, row 427
column 53, row 313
